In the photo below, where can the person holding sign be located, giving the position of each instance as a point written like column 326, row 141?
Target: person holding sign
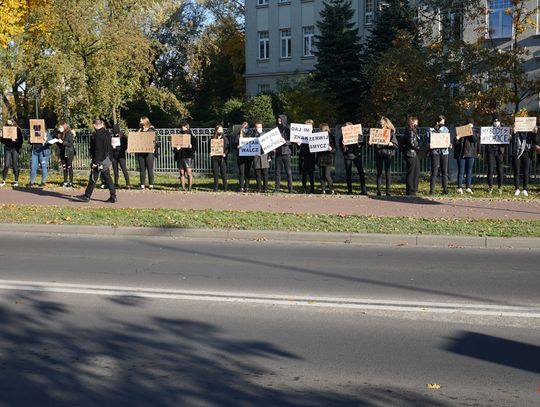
column 465, row 152
column 439, row 157
column 184, row 157
column 283, row 154
column 261, row 163
column 412, row 161
column 219, row 160
column 306, row 164
column 352, row 154
column 495, row 159
column 244, row 162
column 384, row 154
column 12, row 150
column 41, row 153
column 119, row 144
column 326, row 161
column 522, row 148
column 66, row 147
column 146, row 160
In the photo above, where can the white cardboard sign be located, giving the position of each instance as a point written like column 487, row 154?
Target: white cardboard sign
column 249, row 147
column 300, row 133
column 495, row 135
column 271, row 140
column 319, row 142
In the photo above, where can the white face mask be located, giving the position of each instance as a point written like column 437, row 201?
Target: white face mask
column 9, row 123
column 61, row 129
column 259, row 130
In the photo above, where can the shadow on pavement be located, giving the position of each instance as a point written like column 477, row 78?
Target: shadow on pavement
column 416, row 200
column 46, row 192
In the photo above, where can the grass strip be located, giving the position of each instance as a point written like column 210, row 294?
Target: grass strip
column 240, row 220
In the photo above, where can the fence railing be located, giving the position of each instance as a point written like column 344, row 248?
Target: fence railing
column 202, row 164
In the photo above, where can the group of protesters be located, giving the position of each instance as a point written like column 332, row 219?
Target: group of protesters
column 109, row 150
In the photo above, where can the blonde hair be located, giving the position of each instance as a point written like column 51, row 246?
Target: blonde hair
column 324, row 127
column 309, row 121
column 66, row 127
column 146, row 122
column 388, row 124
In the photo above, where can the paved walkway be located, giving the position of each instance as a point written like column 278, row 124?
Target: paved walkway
column 313, row 204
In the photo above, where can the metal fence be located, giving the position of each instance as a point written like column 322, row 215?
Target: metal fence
column 203, row 165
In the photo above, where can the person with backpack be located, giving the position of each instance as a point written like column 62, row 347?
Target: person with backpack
column 439, row 158
column 12, row 151
column 384, row 155
column 352, row 155
column 465, row 152
column 412, row 161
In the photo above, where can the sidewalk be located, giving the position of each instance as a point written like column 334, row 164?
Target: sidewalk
column 415, row 207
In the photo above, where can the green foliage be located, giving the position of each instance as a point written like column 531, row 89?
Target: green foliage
column 260, row 108
column 232, row 112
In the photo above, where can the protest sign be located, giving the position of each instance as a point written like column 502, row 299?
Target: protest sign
column 9, row 132
column 115, row 142
column 319, row 142
column 271, row 140
column 352, row 134
column 249, row 147
column 379, row 136
column 464, row 131
column 525, row 124
column 141, row 142
column 217, row 147
column 179, row 141
column 38, row 132
column 300, row 132
column 438, row 140
column 495, row 135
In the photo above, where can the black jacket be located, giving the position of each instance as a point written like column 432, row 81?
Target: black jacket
column 225, row 145
column 326, row 158
column 466, row 147
column 411, row 142
column 522, row 144
column 351, row 151
column 14, row 145
column 285, row 131
column 183, row 153
column 67, row 147
column 100, row 146
column 388, row 151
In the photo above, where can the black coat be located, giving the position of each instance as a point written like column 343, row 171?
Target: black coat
column 388, row 151
column 285, row 131
column 306, row 159
column 67, row 147
column 523, row 143
column 411, row 142
column 466, row 147
column 326, row 158
column 183, row 153
column 14, row 145
column 100, row 146
column 351, row 151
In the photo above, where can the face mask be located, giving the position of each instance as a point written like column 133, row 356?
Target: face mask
column 259, row 130
column 184, row 131
column 61, row 129
column 497, row 123
column 246, row 131
column 9, row 123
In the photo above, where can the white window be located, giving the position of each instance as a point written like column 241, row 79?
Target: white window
column 500, row 18
column 262, row 2
column 263, row 87
column 309, row 34
column 284, row 1
column 285, row 43
column 369, row 11
column 264, row 45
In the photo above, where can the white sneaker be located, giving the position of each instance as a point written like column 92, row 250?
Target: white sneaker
column 3, row 184
column 150, row 187
column 525, row 193
column 15, row 184
column 469, row 191
column 490, row 190
column 500, row 191
column 460, row 191
column 65, row 184
column 516, row 192
column 142, row 187
column 102, row 186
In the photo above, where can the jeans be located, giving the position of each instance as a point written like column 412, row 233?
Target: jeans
column 67, row 166
column 42, row 156
column 521, row 165
column 262, row 179
column 438, row 161
column 465, row 167
column 11, row 159
column 357, row 162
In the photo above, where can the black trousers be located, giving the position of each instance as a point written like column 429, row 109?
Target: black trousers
column 326, row 177
column 146, row 163
column 384, row 163
column 413, row 175
column 311, row 176
column 120, row 161
column 262, row 179
column 495, row 160
column 219, row 166
column 357, row 162
column 94, row 175
column 11, row 159
column 244, row 171
column 283, row 161
column 438, row 161
column 67, row 166
column 521, row 167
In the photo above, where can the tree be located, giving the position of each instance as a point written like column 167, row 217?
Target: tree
column 260, row 108
column 339, row 63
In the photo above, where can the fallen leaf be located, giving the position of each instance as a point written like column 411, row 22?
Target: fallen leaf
column 433, row 386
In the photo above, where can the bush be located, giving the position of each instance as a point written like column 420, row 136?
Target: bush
column 232, row 112
column 260, row 108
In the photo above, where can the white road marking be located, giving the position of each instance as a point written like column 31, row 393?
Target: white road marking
column 289, row 300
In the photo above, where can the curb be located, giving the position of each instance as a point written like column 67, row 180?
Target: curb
column 282, row 236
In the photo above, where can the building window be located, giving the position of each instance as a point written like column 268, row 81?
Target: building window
column 263, row 88
column 262, row 2
column 283, row 1
column 369, row 11
column 500, row 18
column 309, row 34
column 264, row 45
column 285, row 43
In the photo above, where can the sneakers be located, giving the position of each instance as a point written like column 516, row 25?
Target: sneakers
column 112, row 199
column 3, row 184
column 150, row 187
column 469, row 191
column 102, row 186
column 16, row 184
column 460, row 191
column 142, row 187
column 525, row 193
column 517, row 192
column 500, row 191
column 490, row 190
column 81, row 198
column 65, row 184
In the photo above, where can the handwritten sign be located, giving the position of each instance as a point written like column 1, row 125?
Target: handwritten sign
column 217, row 147
column 495, row 135
column 179, row 141
column 141, row 142
column 525, row 124
column 438, row 140
column 379, row 136
column 115, row 142
column 271, row 140
column 352, row 134
column 9, row 132
column 249, row 147
column 38, row 132
column 301, row 132
column 319, row 142
column 464, row 131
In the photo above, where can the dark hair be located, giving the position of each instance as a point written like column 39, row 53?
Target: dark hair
column 257, row 122
column 411, row 120
column 116, row 129
column 440, row 118
column 98, row 122
column 469, row 120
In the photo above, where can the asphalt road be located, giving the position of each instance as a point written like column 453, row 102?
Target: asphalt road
column 109, row 321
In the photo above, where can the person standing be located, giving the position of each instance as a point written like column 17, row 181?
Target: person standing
column 352, row 154
column 495, row 159
column 325, row 160
column 66, row 150
column 12, row 151
column 100, row 153
column 185, row 157
column 385, row 155
column 522, row 148
column 261, row 163
column 146, row 160
column 244, row 162
column 439, row 158
column 306, row 165
column 465, row 152
column 119, row 143
column 41, row 154
column 412, row 162
column 283, row 155
column 219, row 162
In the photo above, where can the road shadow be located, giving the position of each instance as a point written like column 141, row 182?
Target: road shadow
column 45, row 192
column 53, row 356
column 505, row 352
column 414, row 200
